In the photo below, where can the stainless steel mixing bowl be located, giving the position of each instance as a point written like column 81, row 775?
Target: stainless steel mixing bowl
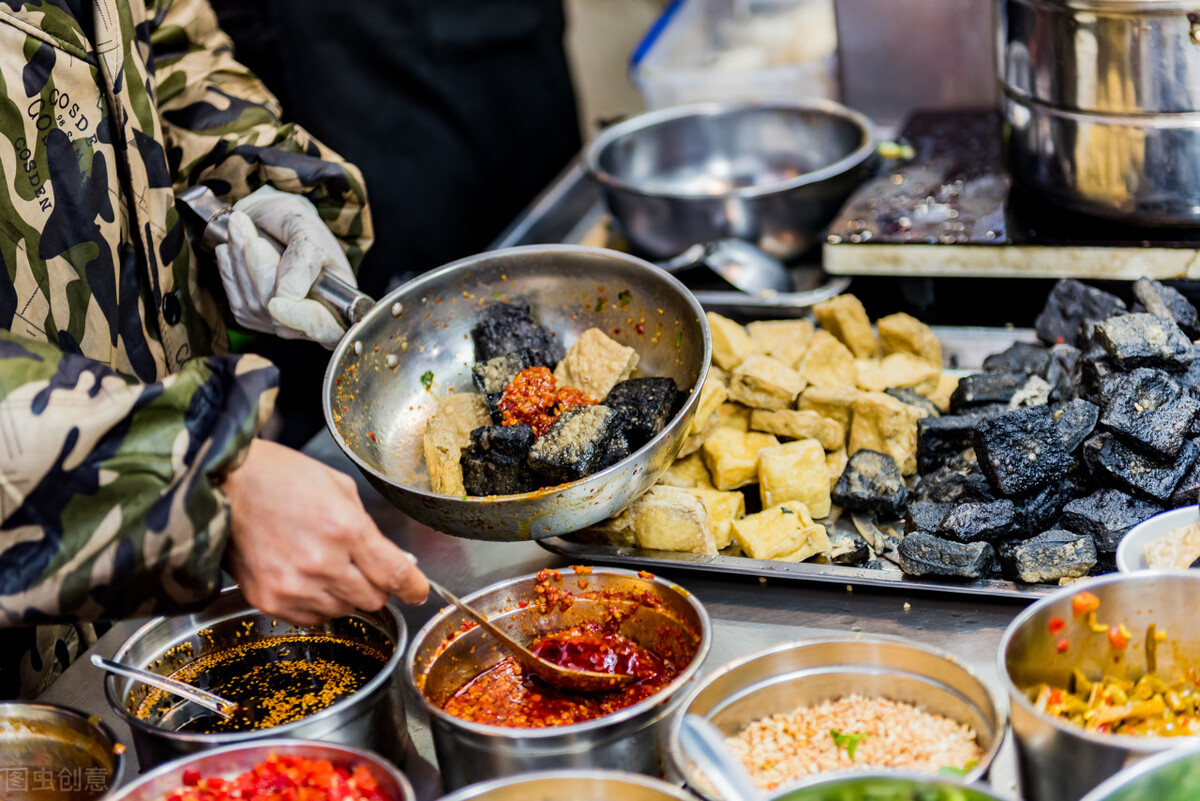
column 1173, row 776
column 232, row 760
column 890, row 786
column 377, row 401
column 773, row 173
column 573, row 785
column 55, row 752
column 373, row 717
column 632, row 739
column 1059, row 761
column 805, row 673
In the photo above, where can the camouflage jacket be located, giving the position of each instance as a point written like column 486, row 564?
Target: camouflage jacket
column 116, row 412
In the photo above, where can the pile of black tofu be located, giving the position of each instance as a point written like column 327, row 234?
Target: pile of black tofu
column 1053, row 452
column 506, row 460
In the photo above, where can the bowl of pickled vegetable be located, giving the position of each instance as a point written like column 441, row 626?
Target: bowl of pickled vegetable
column 1101, row 674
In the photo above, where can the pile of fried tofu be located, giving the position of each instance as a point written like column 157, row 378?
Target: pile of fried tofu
column 785, row 405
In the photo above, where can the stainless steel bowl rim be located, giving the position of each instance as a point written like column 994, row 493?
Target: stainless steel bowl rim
column 351, row 336
column 1157, row 119
column 255, row 736
column 837, row 776
column 118, row 755
column 675, row 750
column 280, row 743
column 649, row 782
column 1102, row 791
column 1126, row 741
column 713, row 109
column 660, row 698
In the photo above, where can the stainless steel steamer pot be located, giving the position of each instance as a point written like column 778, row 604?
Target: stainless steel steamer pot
column 1059, row 761
column 82, row 755
column 632, row 739
column 387, row 374
column 1102, row 105
column 371, row 718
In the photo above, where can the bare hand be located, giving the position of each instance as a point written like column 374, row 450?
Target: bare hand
column 302, row 546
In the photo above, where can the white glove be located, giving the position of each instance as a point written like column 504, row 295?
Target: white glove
column 267, row 290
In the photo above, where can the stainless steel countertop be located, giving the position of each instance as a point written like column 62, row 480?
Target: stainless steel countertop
column 748, row 615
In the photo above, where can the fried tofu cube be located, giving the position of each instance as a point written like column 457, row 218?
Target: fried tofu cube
column 447, row 433
column 903, row 333
column 785, row 340
column 884, row 424
column 835, row 403
column 616, row 530
column 835, row 463
column 762, row 382
column 672, row 519
column 795, row 471
column 807, row 424
column 595, row 364
column 699, row 435
column 828, row 363
column 942, row 392
column 898, row 370
column 712, row 395
column 732, row 456
column 845, row 318
column 730, row 342
column 723, row 508
column 735, row 416
column 687, row 472
column 785, row 532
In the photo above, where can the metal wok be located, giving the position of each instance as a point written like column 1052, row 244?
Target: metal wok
column 389, row 371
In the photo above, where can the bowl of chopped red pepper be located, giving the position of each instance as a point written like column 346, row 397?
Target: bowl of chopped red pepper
column 490, row 719
column 1100, row 675
column 273, row 770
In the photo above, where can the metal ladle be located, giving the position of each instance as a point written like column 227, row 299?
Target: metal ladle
column 706, row 747
column 585, row 681
column 745, row 266
column 203, row 698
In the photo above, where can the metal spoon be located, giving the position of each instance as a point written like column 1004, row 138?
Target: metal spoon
column 742, row 264
column 586, row 681
column 706, row 747
column 210, row 701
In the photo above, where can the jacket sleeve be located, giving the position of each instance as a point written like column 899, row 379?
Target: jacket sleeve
column 223, row 127
column 108, row 499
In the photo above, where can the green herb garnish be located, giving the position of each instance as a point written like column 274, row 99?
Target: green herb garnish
column 625, row 298
column 678, row 339
column 427, row 378
column 786, row 510
column 950, row 770
column 849, row 742
column 599, row 305
column 498, row 295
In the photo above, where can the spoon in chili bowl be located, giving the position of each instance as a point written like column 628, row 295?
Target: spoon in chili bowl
column 570, row 679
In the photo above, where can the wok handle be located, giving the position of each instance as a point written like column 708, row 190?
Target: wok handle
column 344, row 300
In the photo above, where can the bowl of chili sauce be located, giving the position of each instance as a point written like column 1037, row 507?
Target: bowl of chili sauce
column 491, row 719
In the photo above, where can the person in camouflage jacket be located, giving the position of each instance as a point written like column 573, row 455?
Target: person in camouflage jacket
column 128, row 476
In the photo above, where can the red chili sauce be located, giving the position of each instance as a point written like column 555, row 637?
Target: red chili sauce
column 283, row 777
column 534, row 398
column 503, row 696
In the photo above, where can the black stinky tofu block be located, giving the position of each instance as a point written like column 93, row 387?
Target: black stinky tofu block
column 617, row 449
column 492, row 376
column 924, row 554
column 1187, row 490
column 1107, row 515
column 1150, row 412
column 1069, row 304
column 647, row 404
column 1048, row 557
column 1152, row 478
column 1099, row 380
column 1037, row 512
column 576, row 445
column 1020, row 450
column 1166, row 301
column 914, row 398
column 1064, row 373
column 974, row 521
column 871, row 482
column 494, row 464
column 847, row 548
column 507, row 328
column 1145, row 340
column 985, row 389
column 925, row 516
column 944, row 485
column 942, row 438
column 1075, row 422
column 1031, row 358
column 976, row 487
